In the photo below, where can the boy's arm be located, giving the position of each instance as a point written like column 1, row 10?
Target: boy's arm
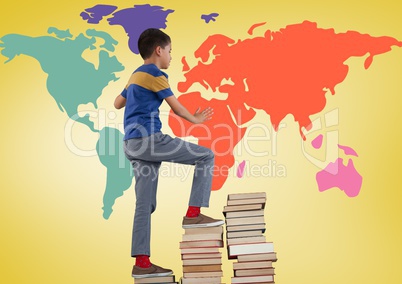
column 119, row 102
column 180, row 110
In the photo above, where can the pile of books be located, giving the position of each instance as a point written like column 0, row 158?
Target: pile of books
column 245, row 226
column 201, row 256
column 158, row 279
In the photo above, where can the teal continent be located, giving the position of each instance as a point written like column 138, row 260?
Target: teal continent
column 111, row 155
column 73, row 81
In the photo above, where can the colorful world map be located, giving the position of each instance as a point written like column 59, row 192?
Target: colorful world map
column 284, row 72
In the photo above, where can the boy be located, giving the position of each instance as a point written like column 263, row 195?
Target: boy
column 146, row 147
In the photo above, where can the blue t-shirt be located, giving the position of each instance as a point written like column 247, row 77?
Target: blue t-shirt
column 145, row 91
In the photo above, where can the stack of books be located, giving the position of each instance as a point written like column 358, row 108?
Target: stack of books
column 153, row 280
column 245, row 228
column 201, row 256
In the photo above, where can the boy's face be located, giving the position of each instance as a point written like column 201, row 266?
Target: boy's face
column 165, row 56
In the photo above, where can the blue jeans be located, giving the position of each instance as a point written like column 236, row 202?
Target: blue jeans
column 146, row 155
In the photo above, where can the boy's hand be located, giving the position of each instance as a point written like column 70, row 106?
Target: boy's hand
column 204, row 115
column 180, row 110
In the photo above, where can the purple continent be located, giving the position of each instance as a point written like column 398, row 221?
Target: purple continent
column 136, row 20
column 95, row 14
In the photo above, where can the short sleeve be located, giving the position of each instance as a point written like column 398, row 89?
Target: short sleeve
column 124, row 93
column 161, row 87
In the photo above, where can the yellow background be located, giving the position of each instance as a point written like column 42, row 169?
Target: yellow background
column 51, row 199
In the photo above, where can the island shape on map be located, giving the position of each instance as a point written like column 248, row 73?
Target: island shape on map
column 285, row 72
column 209, row 17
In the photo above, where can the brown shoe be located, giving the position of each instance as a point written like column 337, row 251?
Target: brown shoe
column 153, row 271
column 200, row 222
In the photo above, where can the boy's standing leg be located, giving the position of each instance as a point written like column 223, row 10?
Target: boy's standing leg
column 146, row 184
column 158, row 148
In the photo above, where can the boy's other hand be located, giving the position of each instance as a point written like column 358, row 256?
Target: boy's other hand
column 204, row 115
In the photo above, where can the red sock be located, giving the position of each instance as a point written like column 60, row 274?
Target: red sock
column 142, row 261
column 193, row 211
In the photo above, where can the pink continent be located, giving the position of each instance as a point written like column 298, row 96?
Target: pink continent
column 346, row 178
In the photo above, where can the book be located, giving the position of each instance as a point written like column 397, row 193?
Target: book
column 257, row 257
column 247, row 195
column 247, row 201
column 202, row 261
column 160, row 279
column 248, row 240
column 203, row 274
column 252, row 265
column 245, row 221
column 206, row 230
column 246, row 213
column 252, row 227
column 204, row 280
column 201, row 255
column 241, row 208
column 199, row 250
column 242, row 234
column 235, row 250
column 202, row 268
column 202, row 237
column 201, row 244
column 254, row 272
column 253, row 279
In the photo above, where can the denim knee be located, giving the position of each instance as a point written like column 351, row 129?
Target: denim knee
column 210, row 155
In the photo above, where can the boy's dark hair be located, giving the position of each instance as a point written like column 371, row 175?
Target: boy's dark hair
column 149, row 40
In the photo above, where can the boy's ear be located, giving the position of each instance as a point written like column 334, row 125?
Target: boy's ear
column 158, row 50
